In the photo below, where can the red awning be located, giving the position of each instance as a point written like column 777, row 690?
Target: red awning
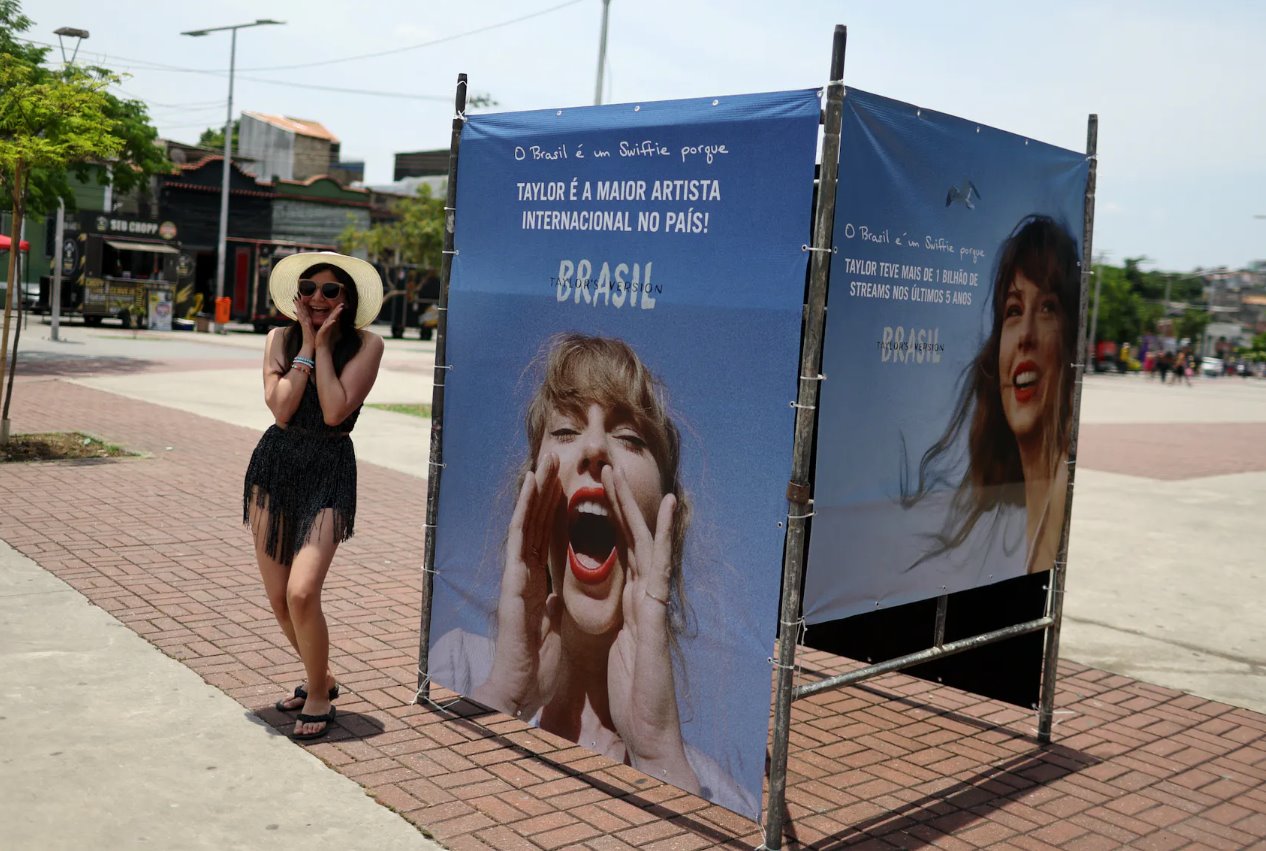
column 5, row 242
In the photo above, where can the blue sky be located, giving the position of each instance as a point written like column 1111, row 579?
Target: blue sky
column 1178, row 86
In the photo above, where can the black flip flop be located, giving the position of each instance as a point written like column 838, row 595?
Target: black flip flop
column 327, row 718
column 302, row 694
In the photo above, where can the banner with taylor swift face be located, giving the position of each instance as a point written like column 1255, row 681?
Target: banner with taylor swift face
column 949, row 348
column 624, row 327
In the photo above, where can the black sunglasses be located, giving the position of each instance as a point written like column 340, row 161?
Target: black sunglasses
column 329, row 290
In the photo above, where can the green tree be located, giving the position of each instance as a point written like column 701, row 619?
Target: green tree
column 416, row 236
column 213, row 137
column 53, row 122
column 1122, row 311
column 1191, row 325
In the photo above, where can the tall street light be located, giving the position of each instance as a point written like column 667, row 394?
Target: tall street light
column 59, row 253
column 222, row 247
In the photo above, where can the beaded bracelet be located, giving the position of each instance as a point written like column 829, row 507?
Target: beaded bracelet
column 301, row 360
column 303, row 368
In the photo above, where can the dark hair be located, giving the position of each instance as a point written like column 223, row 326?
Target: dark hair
column 1044, row 252
column 347, row 339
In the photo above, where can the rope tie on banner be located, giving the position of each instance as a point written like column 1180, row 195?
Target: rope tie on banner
column 832, row 250
column 805, row 407
column 808, row 504
column 801, row 628
column 818, row 377
column 1037, row 714
column 443, row 365
column 419, row 700
column 453, row 252
column 450, row 209
column 460, row 116
column 439, row 464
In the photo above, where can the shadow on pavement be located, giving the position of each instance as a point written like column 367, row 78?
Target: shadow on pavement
column 46, row 364
column 928, row 820
column 461, row 711
column 347, row 725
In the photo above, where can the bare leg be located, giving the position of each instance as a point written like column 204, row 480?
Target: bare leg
column 276, row 577
column 303, row 600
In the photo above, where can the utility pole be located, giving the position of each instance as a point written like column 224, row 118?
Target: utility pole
column 602, row 52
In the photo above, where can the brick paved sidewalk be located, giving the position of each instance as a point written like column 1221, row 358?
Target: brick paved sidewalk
column 157, row 542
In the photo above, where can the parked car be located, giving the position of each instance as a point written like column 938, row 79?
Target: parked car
column 1212, row 367
column 30, row 294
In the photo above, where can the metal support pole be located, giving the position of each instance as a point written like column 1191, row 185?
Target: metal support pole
column 912, row 659
column 55, row 297
column 222, row 247
column 798, row 489
column 938, row 632
column 1055, row 589
column 440, row 378
column 602, row 52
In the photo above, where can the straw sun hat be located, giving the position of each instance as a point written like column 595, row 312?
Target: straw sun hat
column 283, row 283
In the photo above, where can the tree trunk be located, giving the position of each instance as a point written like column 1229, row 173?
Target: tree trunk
column 15, row 245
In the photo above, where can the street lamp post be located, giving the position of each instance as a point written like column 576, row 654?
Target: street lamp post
column 55, row 297
column 222, row 244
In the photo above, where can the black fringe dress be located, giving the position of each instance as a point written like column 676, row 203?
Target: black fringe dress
column 297, row 471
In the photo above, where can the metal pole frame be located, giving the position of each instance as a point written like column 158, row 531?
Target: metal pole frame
column 437, row 398
column 1050, row 622
column 799, row 489
column 1055, row 589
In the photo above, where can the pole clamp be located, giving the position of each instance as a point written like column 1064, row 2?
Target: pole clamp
column 798, row 492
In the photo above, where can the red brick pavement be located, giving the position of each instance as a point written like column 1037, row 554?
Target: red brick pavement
column 1173, row 451
column 898, row 762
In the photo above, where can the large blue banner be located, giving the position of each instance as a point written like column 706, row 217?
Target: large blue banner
column 950, row 338
column 624, row 328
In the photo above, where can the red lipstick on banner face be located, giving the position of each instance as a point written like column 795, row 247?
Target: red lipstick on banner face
column 599, row 571
column 1027, row 392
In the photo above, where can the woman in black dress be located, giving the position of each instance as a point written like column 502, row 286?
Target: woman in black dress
column 299, row 497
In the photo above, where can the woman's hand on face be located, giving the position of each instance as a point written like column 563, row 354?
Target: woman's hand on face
column 304, row 319
column 640, row 685
column 527, row 651
column 326, row 331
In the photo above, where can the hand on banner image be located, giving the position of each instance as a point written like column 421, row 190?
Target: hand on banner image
column 640, row 671
column 585, row 632
column 525, row 665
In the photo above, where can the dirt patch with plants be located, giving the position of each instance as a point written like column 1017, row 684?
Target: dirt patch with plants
column 57, row 446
